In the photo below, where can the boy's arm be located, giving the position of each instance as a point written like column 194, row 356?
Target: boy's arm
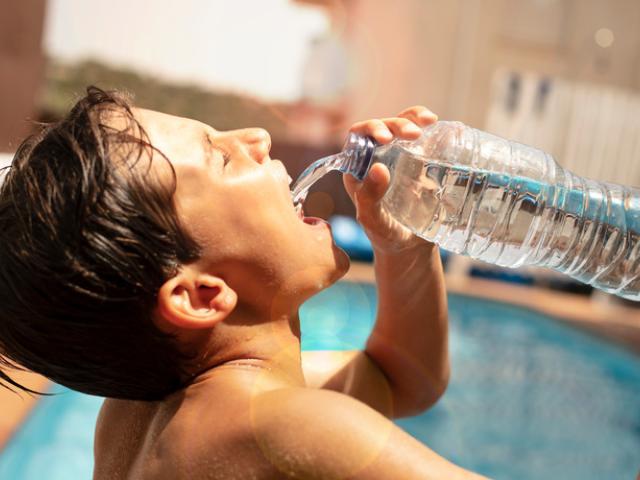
column 405, row 367
column 409, row 341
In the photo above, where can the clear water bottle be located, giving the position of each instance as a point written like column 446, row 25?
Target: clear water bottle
column 502, row 202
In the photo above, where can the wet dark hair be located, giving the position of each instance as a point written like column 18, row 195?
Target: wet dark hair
column 87, row 237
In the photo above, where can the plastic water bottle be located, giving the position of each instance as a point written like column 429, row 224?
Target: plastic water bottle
column 501, row 202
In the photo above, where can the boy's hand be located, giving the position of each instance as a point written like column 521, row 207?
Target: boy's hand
column 385, row 233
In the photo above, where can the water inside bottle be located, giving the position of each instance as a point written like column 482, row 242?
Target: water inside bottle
column 511, row 221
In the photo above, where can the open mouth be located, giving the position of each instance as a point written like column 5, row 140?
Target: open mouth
column 312, row 221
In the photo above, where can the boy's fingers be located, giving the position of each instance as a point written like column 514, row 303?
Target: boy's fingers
column 402, row 128
column 406, row 125
column 373, row 128
column 420, row 115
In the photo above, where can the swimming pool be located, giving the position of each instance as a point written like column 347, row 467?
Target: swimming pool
column 529, row 398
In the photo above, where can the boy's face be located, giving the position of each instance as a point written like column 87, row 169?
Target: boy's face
column 235, row 201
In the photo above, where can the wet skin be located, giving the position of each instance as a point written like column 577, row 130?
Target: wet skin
column 257, row 406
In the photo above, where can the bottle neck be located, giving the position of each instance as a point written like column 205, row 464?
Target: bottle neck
column 356, row 155
column 355, row 159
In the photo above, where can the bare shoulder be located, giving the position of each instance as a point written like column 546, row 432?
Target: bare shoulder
column 120, row 432
column 311, row 433
column 283, row 433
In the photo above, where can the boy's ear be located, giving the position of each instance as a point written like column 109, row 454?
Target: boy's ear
column 193, row 300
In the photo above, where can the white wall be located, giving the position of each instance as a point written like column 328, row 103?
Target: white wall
column 5, row 159
column 592, row 130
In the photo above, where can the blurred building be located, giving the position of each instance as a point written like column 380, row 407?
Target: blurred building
column 471, row 59
column 563, row 75
column 21, row 68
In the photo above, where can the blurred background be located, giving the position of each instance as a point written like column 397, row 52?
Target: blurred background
column 562, row 75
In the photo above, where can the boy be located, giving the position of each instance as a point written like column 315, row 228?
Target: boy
column 160, row 263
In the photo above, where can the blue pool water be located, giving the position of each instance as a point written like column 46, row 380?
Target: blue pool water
column 528, row 399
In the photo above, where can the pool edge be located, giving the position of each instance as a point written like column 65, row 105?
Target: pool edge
column 617, row 323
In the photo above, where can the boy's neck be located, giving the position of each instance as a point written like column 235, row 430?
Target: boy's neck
column 271, row 348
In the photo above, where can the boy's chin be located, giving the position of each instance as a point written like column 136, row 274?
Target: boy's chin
column 342, row 263
column 327, row 276
column 338, row 270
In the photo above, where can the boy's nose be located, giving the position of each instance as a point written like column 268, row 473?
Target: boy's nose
column 258, row 143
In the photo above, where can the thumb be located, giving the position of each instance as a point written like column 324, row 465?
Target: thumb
column 374, row 185
column 351, row 185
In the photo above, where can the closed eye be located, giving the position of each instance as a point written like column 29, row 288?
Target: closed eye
column 225, row 155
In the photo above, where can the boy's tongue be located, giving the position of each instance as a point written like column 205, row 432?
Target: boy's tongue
column 315, row 222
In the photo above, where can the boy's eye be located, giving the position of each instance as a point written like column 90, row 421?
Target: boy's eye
column 225, row 155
